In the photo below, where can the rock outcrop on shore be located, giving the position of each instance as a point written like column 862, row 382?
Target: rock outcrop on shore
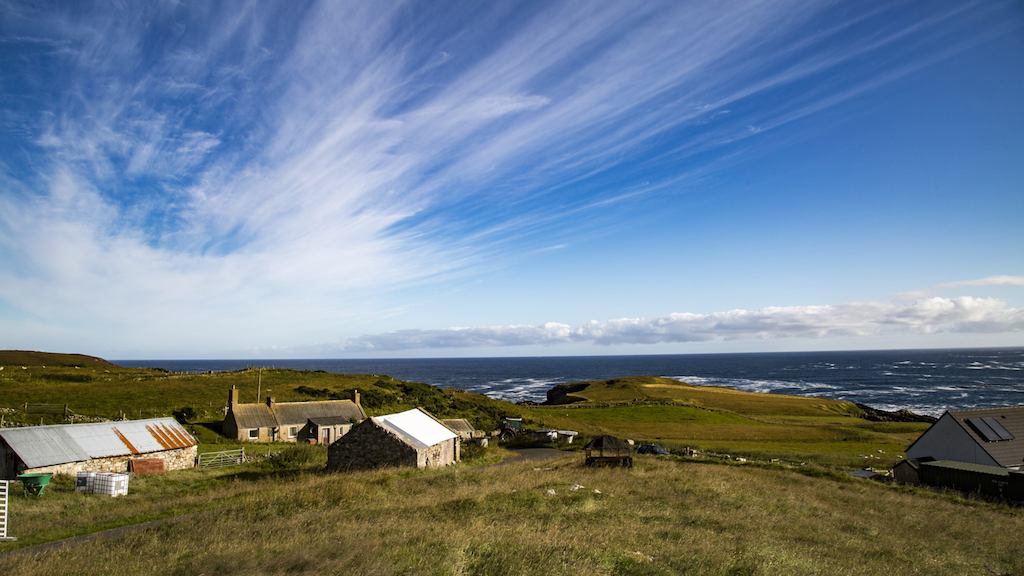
column 903, row 415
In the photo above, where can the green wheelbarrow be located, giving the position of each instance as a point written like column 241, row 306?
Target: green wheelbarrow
column 35, row 484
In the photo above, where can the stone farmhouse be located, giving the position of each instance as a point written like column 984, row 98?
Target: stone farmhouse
column 410, row 438
column 313, row 422
column 96, row 447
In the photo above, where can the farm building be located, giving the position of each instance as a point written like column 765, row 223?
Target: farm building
column 315, row 422
column 410, row 438
column 989, row 436
column 100, row 447
column 466, row 431
column 978, row 451
column 974, row 478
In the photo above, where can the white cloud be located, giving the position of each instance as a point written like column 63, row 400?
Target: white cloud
column 927, row 316
column 316, row 164
column 988, row 281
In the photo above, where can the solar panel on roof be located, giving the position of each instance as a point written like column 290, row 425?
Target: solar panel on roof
column 998, row 428
column 983, row 429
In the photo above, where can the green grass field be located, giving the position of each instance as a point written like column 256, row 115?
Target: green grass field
column 113, row 392
column 665, row 516
column 725, row 420
column 283, row 515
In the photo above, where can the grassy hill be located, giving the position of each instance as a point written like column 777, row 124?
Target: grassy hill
column 725, row 420
column 15, row 358
column 108, row 391
column 641, row 408
column 665, row 516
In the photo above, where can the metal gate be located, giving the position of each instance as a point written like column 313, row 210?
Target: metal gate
column 5, row 491
column 223, row 458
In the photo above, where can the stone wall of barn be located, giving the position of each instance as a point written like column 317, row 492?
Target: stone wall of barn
column 369, row 446
column 179, row 459
column 439, row 455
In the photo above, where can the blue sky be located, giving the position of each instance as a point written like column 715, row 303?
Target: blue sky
column 290, row 179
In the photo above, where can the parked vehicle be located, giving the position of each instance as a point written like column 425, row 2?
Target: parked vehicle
column 510, row 428
column 653, row 449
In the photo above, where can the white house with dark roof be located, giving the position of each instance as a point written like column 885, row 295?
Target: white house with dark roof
column 987, row 436
column 410, row 438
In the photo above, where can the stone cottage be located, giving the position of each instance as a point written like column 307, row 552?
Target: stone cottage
column 315, row 422
column 95, row 447
column 410, row 438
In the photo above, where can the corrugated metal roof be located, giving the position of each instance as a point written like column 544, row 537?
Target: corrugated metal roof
column 63, row 443
column 415, row 427
column 459, row 425
column 967, row 466
column 1009, row 453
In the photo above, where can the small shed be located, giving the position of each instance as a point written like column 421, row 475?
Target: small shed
column 974, row 478
column 95, row 447
column 907, row 471
column 410, row 438
column 466, row 431
column 609, row 451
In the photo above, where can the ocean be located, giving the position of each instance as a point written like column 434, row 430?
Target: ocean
column 924, row 381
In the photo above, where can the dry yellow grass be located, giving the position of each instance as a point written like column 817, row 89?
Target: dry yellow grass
column 663, row 517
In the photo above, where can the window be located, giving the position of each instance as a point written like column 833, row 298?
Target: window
column 292, row 431
column 254, row 433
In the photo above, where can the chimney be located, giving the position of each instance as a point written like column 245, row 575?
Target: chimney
column 232, row 397
column 355, row 397
column 270, row 402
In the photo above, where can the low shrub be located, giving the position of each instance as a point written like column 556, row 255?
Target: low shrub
column 300, row 457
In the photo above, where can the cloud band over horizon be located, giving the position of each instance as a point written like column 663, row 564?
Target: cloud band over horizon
column 965, row 314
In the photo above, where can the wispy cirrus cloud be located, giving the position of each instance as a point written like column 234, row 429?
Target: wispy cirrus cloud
column 925, row 316
column 267, row 170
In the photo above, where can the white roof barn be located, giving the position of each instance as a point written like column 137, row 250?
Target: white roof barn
column 410, row 438
column 416, row 427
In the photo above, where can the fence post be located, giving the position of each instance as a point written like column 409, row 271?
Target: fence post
column 5, row 490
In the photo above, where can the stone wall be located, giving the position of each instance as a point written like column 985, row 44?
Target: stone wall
column 369, row 446
column 175, row 460
column 439, row 455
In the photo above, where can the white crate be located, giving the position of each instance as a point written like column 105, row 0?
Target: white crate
column 106, row 483
column 110, row 484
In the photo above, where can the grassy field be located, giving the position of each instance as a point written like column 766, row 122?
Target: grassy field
column 664, row 517
column 112, row 392
column 724, row 420
column 641, row 408
column 283, row 515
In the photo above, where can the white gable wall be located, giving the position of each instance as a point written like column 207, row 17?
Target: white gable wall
column 947, row 440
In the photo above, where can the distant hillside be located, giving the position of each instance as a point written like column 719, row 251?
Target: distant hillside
column 31, row 358
column 678, row 415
